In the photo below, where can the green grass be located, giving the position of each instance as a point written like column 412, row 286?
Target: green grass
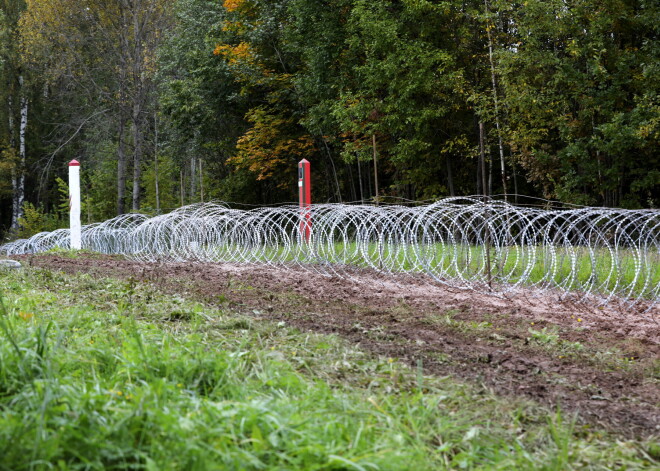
column 571, row 268
column 550, row 339
column 576, row 268
column 107, row 374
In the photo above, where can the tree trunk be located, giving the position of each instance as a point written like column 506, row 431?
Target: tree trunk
column 14, row 170
column 369, row 184
column 351, row 179
column 22, row 151
column 328, row 182
column 156, row 163
column 373, row 138
column 193, row 178
column 515, row 181
column 482, row 156
column 360, row 180
column 478, row 182
column 450, row 176
column 137, row 156
column 121, row 166
column 497, row 113
column 334, row 170
column 18, row 182
column 490, row 168
column 138, row 102
column 482, row 160
column 477, row 128
column 181, row 189
column 201, row 181
column 124, row 58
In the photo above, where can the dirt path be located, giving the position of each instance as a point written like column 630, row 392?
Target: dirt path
column 602, row 364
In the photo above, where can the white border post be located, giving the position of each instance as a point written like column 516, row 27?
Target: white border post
column 74, row 205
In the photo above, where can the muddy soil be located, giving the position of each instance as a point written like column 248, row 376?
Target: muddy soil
column 602, row 364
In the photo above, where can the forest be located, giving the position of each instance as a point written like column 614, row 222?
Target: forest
column 167, row 103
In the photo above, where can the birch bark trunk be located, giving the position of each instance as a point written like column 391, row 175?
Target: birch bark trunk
column 14, row 170
column 18, row 175
column 22, row 152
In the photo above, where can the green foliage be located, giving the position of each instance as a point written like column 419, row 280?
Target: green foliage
column 99, row 187
column 63, row 190
column 36, row 220
column 7, row 165
column 250, row 87
column 4, row 37
column 201, row 109
column 545, row 336
column 575, row 77
column 406, row 81
column 167, row 185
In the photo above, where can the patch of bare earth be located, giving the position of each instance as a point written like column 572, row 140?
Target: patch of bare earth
column 602, row 364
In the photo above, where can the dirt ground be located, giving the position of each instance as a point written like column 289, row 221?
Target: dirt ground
column 603, row 364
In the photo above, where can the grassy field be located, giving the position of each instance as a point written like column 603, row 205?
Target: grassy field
column 571, row 268
column 109, row 374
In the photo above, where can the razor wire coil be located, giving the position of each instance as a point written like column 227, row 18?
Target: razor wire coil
column 598, row 254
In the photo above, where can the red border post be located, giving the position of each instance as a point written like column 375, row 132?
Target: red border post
column 305, row 197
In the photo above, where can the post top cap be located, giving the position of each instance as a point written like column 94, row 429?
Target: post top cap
column 74, row 163
column 304, row 161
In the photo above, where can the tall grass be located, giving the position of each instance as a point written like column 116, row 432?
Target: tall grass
column 107, row 374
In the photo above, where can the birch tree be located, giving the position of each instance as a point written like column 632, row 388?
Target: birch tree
column 15, row 100
column 105, row 50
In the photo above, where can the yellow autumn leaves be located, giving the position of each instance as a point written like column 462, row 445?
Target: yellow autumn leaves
column 232, row 5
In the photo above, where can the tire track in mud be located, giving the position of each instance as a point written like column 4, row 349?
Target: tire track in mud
column 471, row 336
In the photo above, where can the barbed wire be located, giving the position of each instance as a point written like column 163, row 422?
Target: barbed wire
column 594, row 254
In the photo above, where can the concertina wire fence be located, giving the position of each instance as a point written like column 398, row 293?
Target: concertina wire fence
column 599, row 255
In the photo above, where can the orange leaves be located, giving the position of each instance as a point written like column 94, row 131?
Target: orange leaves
column 247, row 68
column 242, row 14
column 232, row 5
column 270, row 148
column 235, row 54
column 275, row 141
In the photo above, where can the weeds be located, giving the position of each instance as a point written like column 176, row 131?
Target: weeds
column 545, row 336
column 165, row 383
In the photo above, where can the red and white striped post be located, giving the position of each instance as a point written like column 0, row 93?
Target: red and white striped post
column 305, row 197
column 74, row 204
